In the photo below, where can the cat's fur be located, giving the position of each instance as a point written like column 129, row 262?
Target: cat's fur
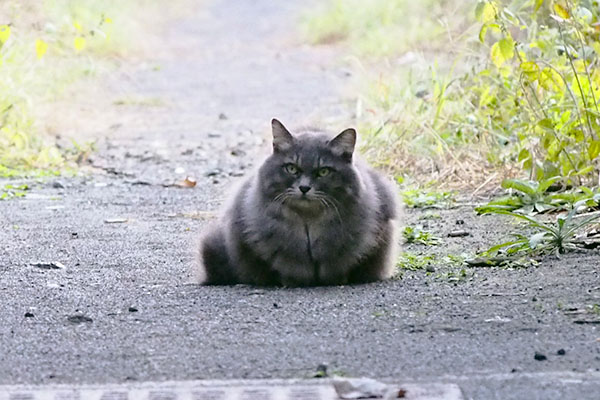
column 342, row 230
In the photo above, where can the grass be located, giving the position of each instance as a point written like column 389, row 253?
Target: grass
column 406, row 57
column 45, row 47
column 375, row 27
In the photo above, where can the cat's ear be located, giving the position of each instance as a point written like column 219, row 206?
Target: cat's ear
column 343, row 144
column 282, row 138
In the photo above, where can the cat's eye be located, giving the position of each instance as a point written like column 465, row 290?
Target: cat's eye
column 323, row 172
column 291, row 169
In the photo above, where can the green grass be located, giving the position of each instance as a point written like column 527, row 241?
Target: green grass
column 375, row 27
column 45, row 47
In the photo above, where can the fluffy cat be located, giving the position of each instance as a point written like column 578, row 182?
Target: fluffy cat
column 313, row 214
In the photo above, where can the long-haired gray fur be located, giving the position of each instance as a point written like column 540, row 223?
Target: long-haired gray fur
column 313, row 214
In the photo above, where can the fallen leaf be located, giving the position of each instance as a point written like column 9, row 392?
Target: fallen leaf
column 188, row 182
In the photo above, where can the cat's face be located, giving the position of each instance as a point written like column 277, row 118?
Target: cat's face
column 310, row 173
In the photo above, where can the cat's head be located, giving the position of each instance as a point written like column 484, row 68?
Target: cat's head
column 310, row 172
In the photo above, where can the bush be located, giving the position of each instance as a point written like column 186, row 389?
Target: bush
column 538, row 96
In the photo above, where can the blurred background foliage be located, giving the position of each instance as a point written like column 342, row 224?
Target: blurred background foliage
column 46, row 46
column 474, row 89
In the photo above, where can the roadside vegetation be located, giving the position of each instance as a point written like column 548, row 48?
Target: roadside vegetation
column 45, row 47
column 477, row 95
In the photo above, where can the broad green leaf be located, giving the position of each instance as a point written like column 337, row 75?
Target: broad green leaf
column 4, row 33
column 546, row 183
column 520, row 185
column 40, row 48
column 594, row 149
column 547, row 124
column 507, row 48
column 561, row 11
column 79, row 43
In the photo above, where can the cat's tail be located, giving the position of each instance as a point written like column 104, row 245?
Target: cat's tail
column 213, row 266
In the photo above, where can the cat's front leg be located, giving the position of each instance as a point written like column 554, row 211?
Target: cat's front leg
column 332, row 274
column 293, row 273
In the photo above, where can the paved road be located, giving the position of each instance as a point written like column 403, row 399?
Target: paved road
column 122, row 309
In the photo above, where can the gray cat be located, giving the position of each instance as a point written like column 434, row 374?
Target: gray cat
column 313, row 214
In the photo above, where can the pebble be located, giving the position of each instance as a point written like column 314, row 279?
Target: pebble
column 539, row 356
column 561, row 352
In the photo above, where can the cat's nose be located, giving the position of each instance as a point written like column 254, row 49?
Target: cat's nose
column 304, row 189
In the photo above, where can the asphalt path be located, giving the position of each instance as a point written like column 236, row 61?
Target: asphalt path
column 95, row 269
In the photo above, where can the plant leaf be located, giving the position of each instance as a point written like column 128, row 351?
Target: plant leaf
column 538, row 4
column 40, row 48
column 520, row 185
column 561, row 11
column 4, row 34
column 486, row 11
column 79, row 43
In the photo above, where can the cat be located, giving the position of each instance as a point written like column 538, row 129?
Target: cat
column 313, row 214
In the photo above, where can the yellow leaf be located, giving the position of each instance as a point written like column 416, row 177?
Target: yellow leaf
column 108, row 20
column 77, row 26
column 531, row 70
column 40, row 48
column 79, row 43
column 4, row 33
column 538, row 4
column 551, row 80
column 486, row 11
column 561, row 11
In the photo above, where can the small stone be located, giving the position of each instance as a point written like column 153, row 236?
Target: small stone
column 561, row 352
column 222, row 116
column 430, row 268
column 74, row 235
column 214, row 172
column 539, row 356
column 275, row 305
column 58, row 185
column 29, row 315
column 132, row 309
column 460, row 222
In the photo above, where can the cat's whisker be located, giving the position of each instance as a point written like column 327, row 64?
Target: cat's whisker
column 329, row 204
